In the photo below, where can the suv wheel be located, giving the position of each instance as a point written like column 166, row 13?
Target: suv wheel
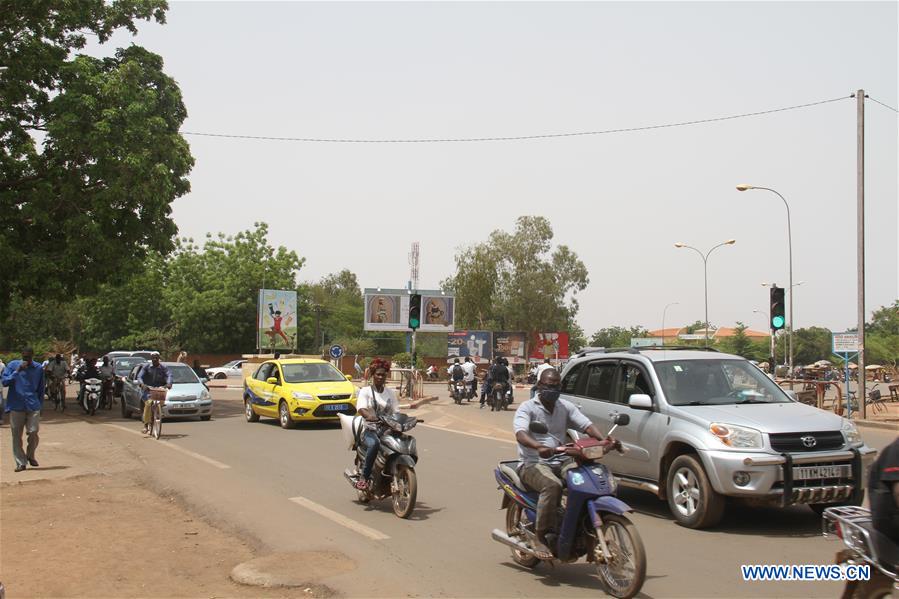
column 691, row 498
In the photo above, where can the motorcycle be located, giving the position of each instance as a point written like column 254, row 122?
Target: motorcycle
column 592, row 519
column 864, row 546
column 459, row 392
column 90, row 395
column 500, row 397
column 394, row 471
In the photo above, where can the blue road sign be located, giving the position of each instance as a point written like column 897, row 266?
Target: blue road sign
column 336, row 352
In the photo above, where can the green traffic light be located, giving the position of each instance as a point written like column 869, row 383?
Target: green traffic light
column 414, row 323
column 778, row 322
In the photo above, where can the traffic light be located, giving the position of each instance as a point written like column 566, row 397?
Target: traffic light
column 777, row 308
column 414, row 311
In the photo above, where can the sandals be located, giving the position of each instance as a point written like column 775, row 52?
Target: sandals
column 542, row 552
column 361, row 484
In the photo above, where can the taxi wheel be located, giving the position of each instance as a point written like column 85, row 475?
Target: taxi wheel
column 284, row 415
column 248, row 411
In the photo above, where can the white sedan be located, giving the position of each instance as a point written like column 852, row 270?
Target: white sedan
column 231, row 369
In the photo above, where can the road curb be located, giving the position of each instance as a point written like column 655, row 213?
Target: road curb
column 890, row 426
column 293, row 570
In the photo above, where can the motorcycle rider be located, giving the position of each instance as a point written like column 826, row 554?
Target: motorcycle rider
column 87, row 370
column 107, row 375
column 152, row 374
column 457, row 373
column 471, row 381
column 499, row 374
column 56, row 372
column 542, row 469
column 374, row 401
column 883, row 491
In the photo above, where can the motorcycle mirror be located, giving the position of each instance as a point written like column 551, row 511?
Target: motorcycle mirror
column 538, row 427
column 621, row 419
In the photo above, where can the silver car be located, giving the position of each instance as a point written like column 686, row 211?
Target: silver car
column 706, row 425
column 187, row 398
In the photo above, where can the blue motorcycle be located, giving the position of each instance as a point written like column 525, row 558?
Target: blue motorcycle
column 593, row 521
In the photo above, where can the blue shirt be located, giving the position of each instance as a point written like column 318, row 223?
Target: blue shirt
column 155, row 376
column 26, row 389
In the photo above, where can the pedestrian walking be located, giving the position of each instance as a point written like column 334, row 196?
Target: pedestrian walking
column 2, row 396
column 24, row 380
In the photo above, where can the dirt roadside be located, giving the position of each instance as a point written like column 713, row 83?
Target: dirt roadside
column 75, row 527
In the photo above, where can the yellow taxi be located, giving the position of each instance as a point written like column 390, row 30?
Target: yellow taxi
column 295, row 390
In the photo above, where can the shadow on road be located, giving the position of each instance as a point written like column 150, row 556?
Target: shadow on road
column 578, row 575
column 422, row 510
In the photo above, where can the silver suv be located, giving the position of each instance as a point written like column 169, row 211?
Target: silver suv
column 706, row 425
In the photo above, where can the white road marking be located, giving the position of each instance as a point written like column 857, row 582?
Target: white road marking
column 479, row 436
column 192, row 454
column 371, row 533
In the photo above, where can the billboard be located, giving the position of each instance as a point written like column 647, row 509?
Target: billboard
column 510, row 346
column 549, row 345
column 386, row 310
column 477, row 345
column 276, row 321
column 437, row 312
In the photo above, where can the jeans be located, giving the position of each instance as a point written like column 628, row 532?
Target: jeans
column 372, row 443
column 30, row 422
column 546, row 479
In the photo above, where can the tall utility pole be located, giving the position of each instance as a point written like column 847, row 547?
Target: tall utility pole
column 860, row 219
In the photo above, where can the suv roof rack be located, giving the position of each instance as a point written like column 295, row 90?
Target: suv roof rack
column 636, row 350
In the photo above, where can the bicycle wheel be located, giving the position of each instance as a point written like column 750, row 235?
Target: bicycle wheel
column 156, row 424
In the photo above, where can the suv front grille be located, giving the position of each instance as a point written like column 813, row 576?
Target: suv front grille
column 333, row 397
column 823, row 441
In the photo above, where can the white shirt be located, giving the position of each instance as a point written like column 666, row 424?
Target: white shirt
column 386, row 402
column 541, row 368
column 469, row 369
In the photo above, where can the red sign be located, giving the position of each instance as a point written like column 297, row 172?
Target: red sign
column 549, row 345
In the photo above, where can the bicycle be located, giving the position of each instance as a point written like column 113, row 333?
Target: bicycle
column 156, row 395
column 57, row 393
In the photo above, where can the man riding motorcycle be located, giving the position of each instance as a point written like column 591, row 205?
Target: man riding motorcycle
column 88, row 370
column 152, row 374
column 498, row 374
column 470, row 379
column 542, row 468
column 374, row 401
column 57, row 371
column 107, row 375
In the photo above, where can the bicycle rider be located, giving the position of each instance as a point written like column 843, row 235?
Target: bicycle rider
column 152, row 374
column 56, row 371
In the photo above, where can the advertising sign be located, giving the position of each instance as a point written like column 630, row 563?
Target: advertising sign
column 845, row 343
column 276, row 322
column 386, row 310
column 646, row 341
column 437, row 312
column 477, row 345
column 549, row 345
column 510, row 346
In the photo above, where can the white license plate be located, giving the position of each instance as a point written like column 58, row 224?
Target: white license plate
column 335, row 407
column 810, row 472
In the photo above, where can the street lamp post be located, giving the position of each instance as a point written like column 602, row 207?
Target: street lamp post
column 745, row 187
column 705, row 265
column 663, row 319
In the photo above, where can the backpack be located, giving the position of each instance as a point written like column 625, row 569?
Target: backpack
column 458, row 373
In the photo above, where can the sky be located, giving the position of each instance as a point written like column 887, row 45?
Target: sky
column 620, row 201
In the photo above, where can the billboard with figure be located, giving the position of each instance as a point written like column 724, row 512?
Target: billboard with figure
column 510, row 346
column 386, row 310
column 277, row 319
column 436, row 312
column 549, row 345
column 477, row 345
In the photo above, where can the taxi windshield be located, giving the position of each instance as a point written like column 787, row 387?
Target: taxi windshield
column 311, row 373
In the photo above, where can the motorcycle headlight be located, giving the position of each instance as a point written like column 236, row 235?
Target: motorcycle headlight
column 301, row 395
column 850, row 432
column 737, row 437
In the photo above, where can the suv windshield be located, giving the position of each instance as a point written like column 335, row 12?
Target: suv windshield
column 311, row 373
column 124, row 365
column 183, row 374
column 716, row 382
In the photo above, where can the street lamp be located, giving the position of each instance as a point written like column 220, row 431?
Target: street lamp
column 663, row 319
column 745, row 187
column 705, row 264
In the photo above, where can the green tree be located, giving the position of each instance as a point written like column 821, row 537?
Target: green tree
column 882, row 336
column 739, row 343
column 517, row 281
column 333, row 309
column 616, row 336
column 90, row 154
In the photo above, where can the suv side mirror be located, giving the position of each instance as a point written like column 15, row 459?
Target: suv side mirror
column 640, row 401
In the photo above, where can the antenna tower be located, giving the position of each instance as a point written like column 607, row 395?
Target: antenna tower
column 413, row 263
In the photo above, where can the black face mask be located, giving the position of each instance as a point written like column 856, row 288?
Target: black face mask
column 550, row 395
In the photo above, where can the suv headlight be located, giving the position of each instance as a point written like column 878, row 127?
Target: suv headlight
column 301, row 395
column 738, row 437
column 204, row 394
column 850, row 432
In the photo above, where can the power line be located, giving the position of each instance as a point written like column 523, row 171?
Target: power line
column 882, row 104
column 520, row 137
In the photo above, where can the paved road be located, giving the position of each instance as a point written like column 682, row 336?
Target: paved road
column 286, row 489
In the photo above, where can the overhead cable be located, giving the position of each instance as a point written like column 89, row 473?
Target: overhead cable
column 882, row 104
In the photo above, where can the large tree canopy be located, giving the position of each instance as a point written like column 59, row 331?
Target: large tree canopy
column 90, row 154
column 517, row 281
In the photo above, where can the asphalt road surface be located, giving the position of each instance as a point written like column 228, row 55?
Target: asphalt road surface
column 285, row 488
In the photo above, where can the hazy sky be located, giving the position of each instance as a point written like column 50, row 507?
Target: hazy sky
column 620, row 201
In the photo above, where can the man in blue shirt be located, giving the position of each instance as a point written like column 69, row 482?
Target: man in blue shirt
column 25, row 382
column 152, row 374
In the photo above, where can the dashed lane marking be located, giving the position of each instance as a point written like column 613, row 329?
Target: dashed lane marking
column 192, row 454
column 479, row 436
column 371, row 533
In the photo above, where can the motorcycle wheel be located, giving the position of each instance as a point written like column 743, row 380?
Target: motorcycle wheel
column 623, row 572
column 878, row 587
column 513, row 529
column 94, row 404
column 406, row 491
